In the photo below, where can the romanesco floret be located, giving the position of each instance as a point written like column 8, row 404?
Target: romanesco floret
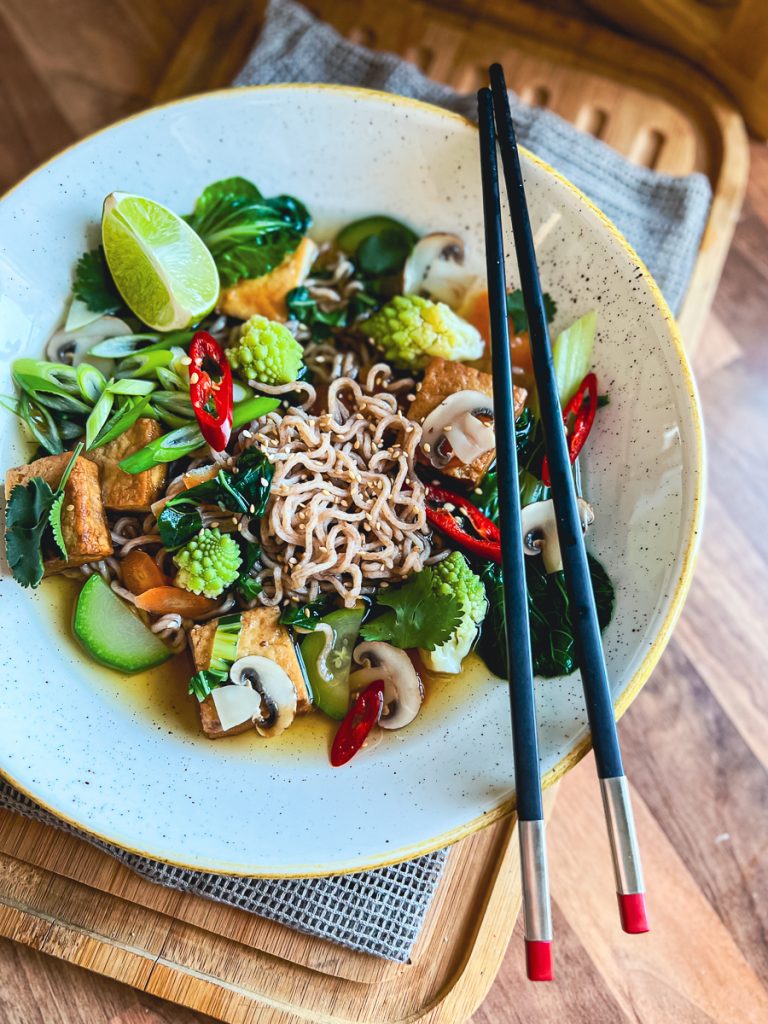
column 266, row 351
column 208, row 564
column 454, row 576
column 409, row 330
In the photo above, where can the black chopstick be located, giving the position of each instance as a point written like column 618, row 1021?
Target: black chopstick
column 594, row 674
column 530, row 814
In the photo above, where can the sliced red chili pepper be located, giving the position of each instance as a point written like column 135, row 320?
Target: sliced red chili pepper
column 359, row 720
column 487, row 543
column 210, row 390
column 584, row 416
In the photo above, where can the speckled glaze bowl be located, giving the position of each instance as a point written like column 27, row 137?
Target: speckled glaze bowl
column 122, row 757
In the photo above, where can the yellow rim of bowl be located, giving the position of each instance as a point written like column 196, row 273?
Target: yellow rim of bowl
column 650, row 660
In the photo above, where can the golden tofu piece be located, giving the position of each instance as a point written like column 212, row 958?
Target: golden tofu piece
column 127, row 492
column 261, row 634
column 83, row 523
column 266, row 294
column 443, row 378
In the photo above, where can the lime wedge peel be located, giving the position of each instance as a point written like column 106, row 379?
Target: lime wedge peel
column 161, row 267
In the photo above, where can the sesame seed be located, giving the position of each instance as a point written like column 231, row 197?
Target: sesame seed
column 448, row 427
column 252, row 509
column 419, row 386
column 411, row 397
column 427, row 447
column 247, row 433
column 214, row 525
column 70, row 508
column 478, row 490
column 264, row 482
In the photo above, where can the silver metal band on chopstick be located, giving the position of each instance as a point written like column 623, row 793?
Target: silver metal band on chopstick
column 535, row 881
column 622, row 834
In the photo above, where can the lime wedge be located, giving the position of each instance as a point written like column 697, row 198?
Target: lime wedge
column 161, row 268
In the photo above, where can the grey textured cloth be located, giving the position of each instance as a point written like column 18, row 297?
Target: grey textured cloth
column 661, row 215
column 381, row 912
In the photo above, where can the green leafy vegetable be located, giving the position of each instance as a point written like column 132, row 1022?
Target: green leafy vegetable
column 223, row 656
column 29, row 514
column 248, row 585
column 302, row 307
column 26, row 520
column 54, row 518
column 94, row 286
column 247, row 234
column 486, row 494
column 516, row 310
column 246, row 492
column 305, row 616
column 379, row 244
column 552, row 638
column 420, row 616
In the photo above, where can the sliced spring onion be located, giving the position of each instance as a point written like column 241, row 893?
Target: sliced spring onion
column 185, row 440
column 171, row 381
column 91, row 382
column 36, row 376
column 143, row 364
column 174, row 401
column 130, row 344
column 132, row 387
column 41, row 424
column 122, row 420
column 98, row 417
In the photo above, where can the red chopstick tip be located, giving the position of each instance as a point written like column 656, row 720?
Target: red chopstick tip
column 634, row 916
column 538, row 960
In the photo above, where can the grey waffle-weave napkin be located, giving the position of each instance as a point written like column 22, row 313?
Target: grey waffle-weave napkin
column 381, row 912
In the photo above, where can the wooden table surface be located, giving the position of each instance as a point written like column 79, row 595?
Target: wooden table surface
column 696, row 741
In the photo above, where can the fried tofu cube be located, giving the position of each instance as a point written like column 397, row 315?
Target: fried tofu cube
column 443, row 378
column 83, row 523
column 261, row 634
column 266, row 294
column 127, row 492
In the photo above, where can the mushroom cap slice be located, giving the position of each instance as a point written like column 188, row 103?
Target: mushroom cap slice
column 277, row 697
column 435, row 269
column 403, row 692
column 456, row 421
column 540, row 531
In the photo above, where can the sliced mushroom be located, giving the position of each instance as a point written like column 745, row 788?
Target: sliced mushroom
column 403, row 692
column 540, row 531
column 456, row 428
column 73, row 346
column 435, row 269
column 275, row 707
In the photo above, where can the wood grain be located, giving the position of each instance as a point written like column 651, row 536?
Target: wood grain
column 696, row 741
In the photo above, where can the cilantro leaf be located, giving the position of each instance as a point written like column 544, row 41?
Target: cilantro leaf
column 516, row 310
column 94, row 286
column 419, row 616
column 306, row 616
column 26, row 520
column 54, row 518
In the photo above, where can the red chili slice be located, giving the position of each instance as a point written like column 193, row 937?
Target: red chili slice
column 210, row 390
column 360, row 719
column 584, row 416
column 487, row 543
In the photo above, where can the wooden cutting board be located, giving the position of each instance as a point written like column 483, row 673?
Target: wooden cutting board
column 63, row 897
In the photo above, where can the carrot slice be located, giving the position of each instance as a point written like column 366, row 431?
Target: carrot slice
column 168, row 600
column 141, row 572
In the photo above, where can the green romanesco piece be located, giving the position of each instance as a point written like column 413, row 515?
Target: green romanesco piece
column 454, row 576
column 267, row 352
column 208, row 564
column 410, row 330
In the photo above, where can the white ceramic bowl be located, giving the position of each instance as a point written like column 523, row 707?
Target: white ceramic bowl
column 123, row 759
